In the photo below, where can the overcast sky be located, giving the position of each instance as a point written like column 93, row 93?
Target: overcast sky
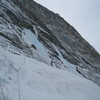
column 84, row 15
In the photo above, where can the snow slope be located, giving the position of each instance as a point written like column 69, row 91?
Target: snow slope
column 30, row 29
column 40, row 57
column 23, row 78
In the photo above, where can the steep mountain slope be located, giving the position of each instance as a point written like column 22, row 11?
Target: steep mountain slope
column 29, row 79
column 30, row 31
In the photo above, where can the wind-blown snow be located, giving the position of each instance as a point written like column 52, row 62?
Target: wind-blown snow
column 38, row 81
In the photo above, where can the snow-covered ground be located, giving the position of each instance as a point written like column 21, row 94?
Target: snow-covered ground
column 27, row 77
column 23, row 78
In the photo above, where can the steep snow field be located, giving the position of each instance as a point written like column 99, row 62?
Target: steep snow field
column 23, row 78
column 40, row 56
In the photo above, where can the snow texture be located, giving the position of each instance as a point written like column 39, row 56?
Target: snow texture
column 28, row 79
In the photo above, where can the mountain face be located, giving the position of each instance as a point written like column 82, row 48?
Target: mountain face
column 30, row 31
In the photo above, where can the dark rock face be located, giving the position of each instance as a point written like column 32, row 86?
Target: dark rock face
column 54, row 30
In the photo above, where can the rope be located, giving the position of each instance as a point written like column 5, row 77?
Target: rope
column 18, row 81
column 18, row 85
column 3, row 98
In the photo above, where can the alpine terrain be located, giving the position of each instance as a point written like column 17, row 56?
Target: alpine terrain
column 42, row 57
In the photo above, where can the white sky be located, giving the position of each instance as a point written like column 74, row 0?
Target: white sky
column 84, row 15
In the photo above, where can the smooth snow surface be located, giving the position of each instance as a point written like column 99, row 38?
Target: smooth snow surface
column 28, row 79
